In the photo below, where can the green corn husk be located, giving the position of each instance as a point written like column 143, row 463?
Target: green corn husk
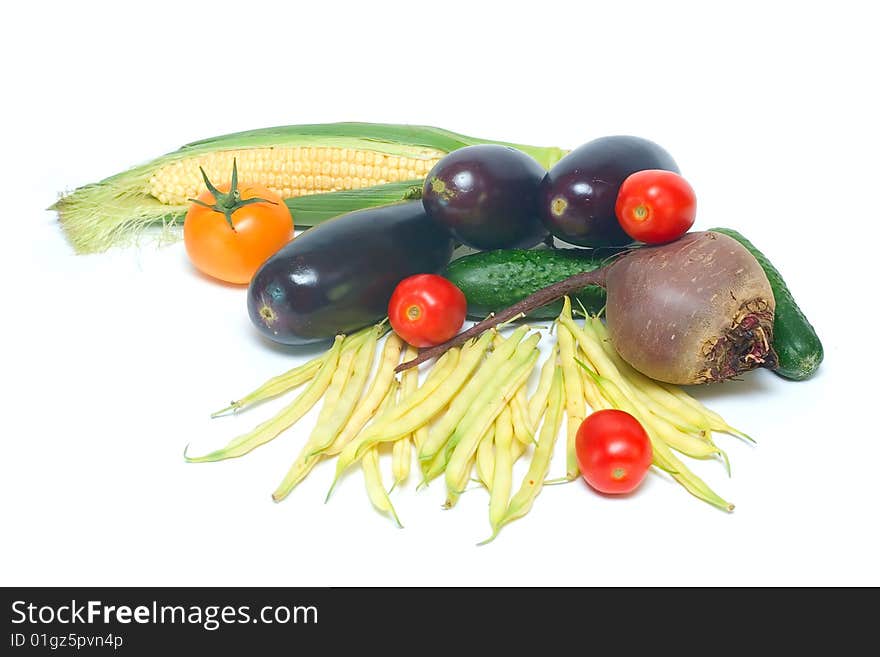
column 117, row 210
column 312, row 209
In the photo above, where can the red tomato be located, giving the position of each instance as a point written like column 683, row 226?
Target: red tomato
column 613, row 451
column 655, row 206
column 426, row 310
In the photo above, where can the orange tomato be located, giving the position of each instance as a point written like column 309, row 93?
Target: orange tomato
column 228, row 239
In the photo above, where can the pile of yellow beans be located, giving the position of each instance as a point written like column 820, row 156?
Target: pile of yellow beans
column 472, row 411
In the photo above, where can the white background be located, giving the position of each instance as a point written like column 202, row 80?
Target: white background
column 111, row 363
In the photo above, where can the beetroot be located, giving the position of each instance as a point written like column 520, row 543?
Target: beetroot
column 694, row 311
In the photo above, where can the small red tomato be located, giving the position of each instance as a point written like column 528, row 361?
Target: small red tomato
column 426, row 310
column 655, row 206
column 613, row 451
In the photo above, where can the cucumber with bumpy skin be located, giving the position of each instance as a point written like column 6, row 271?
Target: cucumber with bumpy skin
column 494, row 280
column 794, row 339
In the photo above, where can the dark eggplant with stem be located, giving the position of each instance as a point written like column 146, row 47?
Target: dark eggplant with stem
column 579, row 193
column 338, row 277
column 697, row 310
column 486, row 196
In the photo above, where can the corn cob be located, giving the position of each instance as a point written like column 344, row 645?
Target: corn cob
column 289, row 171
column 321, row 170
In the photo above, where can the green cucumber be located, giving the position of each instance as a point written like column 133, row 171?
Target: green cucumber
column 494, row 280
column 794, row 338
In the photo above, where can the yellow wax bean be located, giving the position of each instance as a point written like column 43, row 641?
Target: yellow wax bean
column 716, row 422
column 354, row 340
column 500, row 377
column 276, row 386
column 433, row 468
column 393, row 428
column 593, row 396
column 375, row 488
column 452, row 496
column 640, row 384
column 517, row 450
column 681, row 440
column 595, row 400
column 671, row 397
column 663, row 456
column 463, row 443
column 419, row 436
column 439, row 434
column 486, row 458
column 702, row 429
column 574, row 390
column 697, row 446
column 420, row 415
column 377, row 391
column 442, row 369
column 333, row 417
column 401, row 459
column 502, row 479
column 692, row 445
column 401, row 456
column 537, row 404
column 524, row 498
column 538, row 401
column 696, row 486
column 591, row 347
column 292, row 378
column 288, row 416
column 410, row 378
column 401, row 452
column 388, row 402
column 524, row 430
column 645, row 384
column 330, row 413
column 376, row 492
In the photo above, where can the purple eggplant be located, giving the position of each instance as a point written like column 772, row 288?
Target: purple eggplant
column 578, row 194
column 339, row 275
column 486, row 196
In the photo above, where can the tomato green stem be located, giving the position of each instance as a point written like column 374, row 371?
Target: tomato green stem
column 227, row 204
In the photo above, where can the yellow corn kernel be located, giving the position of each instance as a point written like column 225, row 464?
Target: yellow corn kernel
column 287, row 171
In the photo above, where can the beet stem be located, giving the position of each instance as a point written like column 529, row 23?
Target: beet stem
column 535, row 300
